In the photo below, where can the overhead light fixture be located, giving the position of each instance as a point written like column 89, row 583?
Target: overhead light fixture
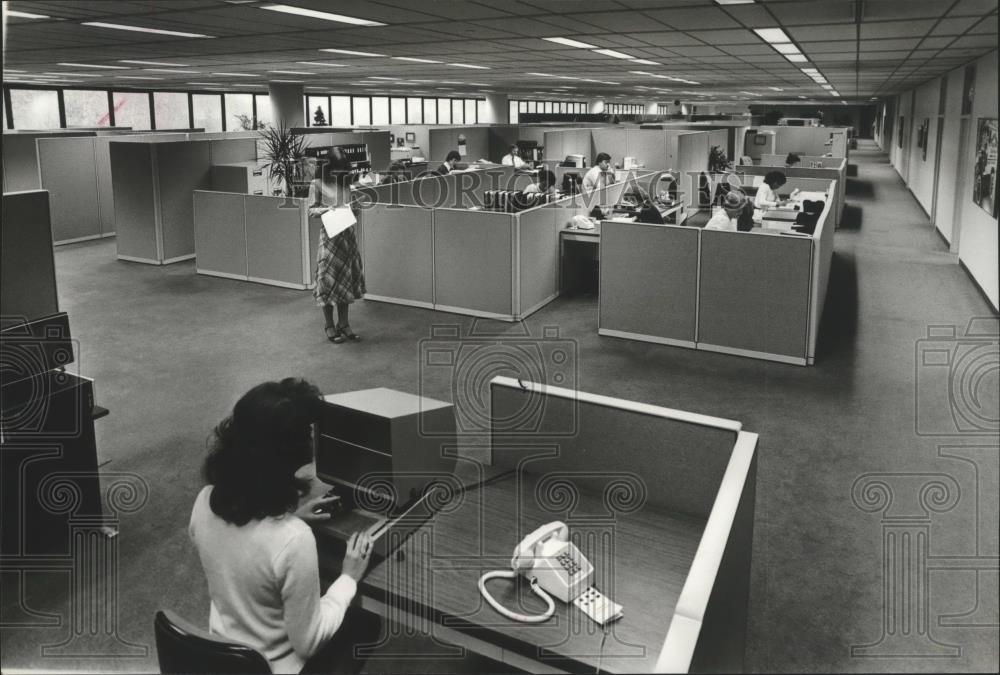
column 326, row 16
column 735, row 2
column 776, row 89
column 827, row 86
column 772, row 35
column 547, row 75
column 69, row 74
column 796, row 58
column 236, row 74
column 833, row 93
column 289, row 81
column 467, row 65
column 612, row 53
column 380, row 77
column 786, row 48
column 155, row 63
column 91, row 65
column 328, row 64
column 137, row 77
column 22, row 15
column 170, row 70
column 291, row 72
column 414, row 59
column 351, row 52
column 142, row 29
column 570, row 43
column 646, row 62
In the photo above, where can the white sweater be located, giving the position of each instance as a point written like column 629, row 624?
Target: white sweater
column 263, row 579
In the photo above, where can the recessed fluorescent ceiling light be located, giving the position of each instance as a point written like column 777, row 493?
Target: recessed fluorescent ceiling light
column 776, row 89
column 154, row 63
column 786, row 48
column 351, row 52
column 827, row 86
column 22, row 15
column 141, row 29
column 796, row 58
column 467, row 65
column 547, row 75
column 833, row 93
column 315, row 14
column 289, row 81
column 91, row 65
column 735, row 2
column 170, row 70
column 414, row 59
column 772, row 35
column 70, row 74
column 571, row 43
column 236, row 74
column 614, row 54
column 378, row 77
column 646, row 62
column 328, row 64
column 290, row 72
column 137, row 77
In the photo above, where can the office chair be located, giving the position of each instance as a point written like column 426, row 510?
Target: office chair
column 183, row 648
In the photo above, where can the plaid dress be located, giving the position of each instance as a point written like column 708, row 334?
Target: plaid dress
column 339, row 277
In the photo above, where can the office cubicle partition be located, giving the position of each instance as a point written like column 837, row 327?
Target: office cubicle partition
column 260, row 238
column 759, row 294
column 153, row 182
column 20, row 158
column 691, row 476
column 835, row 169
column 28, row 284
column 831, row 141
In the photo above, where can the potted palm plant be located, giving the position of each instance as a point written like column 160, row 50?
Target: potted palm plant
column 283, row 153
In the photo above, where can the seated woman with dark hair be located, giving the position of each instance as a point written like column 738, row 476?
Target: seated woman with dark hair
column 546, row 183
column 767, row 194
column 256, row 548
column 792, row 160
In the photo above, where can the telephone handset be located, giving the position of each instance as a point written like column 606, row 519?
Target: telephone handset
column 555, row 567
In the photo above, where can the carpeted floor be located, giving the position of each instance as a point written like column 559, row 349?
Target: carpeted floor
column 171, row 351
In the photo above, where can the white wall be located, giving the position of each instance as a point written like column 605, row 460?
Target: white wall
column 956, row 216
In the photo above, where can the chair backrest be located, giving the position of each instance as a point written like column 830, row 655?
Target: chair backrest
column 183, row 648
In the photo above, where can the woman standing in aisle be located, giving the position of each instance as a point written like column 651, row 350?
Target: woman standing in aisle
column 340, row 279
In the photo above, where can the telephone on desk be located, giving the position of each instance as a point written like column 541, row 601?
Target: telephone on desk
column 555, row 567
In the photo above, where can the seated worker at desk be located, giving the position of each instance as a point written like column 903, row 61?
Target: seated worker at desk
column 597, row 177
column 735, row 214
column 513, row 158
column 767, row 194
column 792, row 160
column 546, row 183
column 250, row 525
column 451, row 161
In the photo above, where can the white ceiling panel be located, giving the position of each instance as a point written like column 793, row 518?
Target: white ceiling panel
column 694, row 19
column 796, row 13
column 893, row 29
column 836, row 31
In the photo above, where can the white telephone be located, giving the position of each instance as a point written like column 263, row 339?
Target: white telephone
column 554, row 566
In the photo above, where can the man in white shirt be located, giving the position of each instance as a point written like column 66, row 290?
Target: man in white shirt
column 597, row 177
column 513, row 158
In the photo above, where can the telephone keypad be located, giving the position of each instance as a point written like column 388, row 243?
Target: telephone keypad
column 568, row 563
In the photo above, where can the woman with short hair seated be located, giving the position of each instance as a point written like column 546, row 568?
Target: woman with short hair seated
column 767, row 194
column 792, row 160
column 734, row 214
column 250, row 526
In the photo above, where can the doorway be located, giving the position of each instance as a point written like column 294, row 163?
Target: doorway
column 962, row 174
column 937, row 169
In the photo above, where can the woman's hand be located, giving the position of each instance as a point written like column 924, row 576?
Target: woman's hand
column 357, row 555
column 307, row 510
column 318, row 210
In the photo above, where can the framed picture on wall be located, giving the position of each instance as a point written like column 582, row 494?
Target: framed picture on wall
column 925, row 130
column 968, row 89
column 410, row 137
column 920, row 137
column 984, row 173
column 899, row 132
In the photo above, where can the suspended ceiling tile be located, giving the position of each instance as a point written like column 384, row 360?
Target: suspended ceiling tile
column 693, row 19
column 794, row 13
column 455, row 10
column 752, row 16
column 566, row 26
column 822, row 47
column 973, row 7
column 614, row 40
column 747, row 50
column 462, row 29
column 988, row 25
column 937, row 42
column 622, row 22
column 911, row 9
column 725, row 38
column 838, row 31
column 954, row 26
column 889, row 44
column 669, row 39
column 893, row 29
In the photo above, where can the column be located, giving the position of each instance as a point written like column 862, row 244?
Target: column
column 287, row 104
column 497, row 109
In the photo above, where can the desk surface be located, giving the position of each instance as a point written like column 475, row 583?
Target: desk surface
column 641, row 560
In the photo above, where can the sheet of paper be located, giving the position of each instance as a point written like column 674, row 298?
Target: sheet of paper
column 336, row 220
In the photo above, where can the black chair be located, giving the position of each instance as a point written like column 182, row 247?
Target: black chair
column 183, row 648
